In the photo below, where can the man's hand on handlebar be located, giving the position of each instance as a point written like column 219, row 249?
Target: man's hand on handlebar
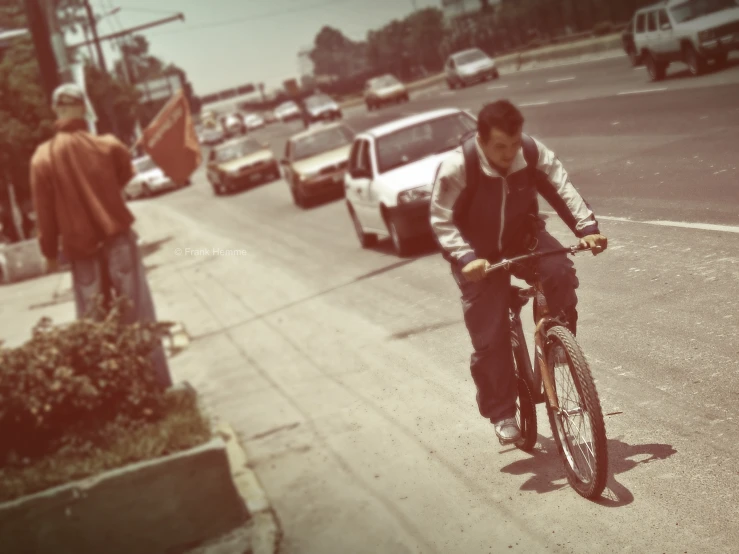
column 475, row 271
column 597, row 243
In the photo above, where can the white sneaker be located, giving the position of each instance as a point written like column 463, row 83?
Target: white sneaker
column 507, row 431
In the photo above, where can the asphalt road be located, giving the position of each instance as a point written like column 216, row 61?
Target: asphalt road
column 358, row 399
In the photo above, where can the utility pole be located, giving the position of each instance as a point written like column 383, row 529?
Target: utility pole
column 93, row 27
column 39, row 27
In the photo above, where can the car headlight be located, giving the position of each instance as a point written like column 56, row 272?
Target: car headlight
column 705, row 36
column 306, row 176
column 414, row 195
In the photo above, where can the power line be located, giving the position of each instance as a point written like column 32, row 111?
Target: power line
column 256, row 17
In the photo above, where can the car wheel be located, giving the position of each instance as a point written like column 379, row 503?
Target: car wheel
column 366, row 240
column 655, row 69
column 496, row 75
column 721, row 59
column 217, row 190
column 298, row 198
column 369, row 106
column 400, row 243
column 695, row 62
column 634, row 57
column 451, row 84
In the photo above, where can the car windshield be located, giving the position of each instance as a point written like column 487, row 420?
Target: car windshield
column 422, row 140
column 317, row 101
column 321, row 141
column 236, row 150
column 470, row 57
column 385, row 81
column 144, row 164
column 693, row 9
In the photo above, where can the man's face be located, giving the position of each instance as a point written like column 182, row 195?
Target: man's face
column 501, row 148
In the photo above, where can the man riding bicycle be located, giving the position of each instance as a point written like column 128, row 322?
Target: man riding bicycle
column 484, row 208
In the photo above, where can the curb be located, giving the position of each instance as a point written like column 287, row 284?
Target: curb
column 266, row 533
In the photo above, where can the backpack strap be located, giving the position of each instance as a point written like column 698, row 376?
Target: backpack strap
column 472, row 171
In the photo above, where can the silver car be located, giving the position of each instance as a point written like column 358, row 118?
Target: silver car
column 469, row 66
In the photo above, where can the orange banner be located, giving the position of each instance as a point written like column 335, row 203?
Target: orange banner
column 171, row 140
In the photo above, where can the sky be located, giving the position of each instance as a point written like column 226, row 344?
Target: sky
column 227, row 43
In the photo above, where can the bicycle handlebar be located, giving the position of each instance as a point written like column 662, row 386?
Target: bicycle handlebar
column 506, row 264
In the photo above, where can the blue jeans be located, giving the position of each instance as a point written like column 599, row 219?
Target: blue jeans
column 118, row 268
column 486, row 308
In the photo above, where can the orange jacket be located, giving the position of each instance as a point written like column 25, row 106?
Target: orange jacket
column 77, row 181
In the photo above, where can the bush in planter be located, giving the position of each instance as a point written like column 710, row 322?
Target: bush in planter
column 67, row 381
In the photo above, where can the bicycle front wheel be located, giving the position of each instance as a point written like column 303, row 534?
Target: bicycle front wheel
column 578, row 427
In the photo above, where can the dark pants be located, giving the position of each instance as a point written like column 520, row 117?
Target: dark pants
column 118, row 268
column 485, row 305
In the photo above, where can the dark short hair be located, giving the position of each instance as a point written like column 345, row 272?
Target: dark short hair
column 501, row 115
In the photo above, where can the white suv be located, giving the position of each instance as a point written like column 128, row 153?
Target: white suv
column 689, row 31
column 469, row 66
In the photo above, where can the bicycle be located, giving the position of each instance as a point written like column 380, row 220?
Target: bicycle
column 556, row 348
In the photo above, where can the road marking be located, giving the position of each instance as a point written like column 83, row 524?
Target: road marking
column 527, row 104
column 662, row 223
column 560, row 80
column 644, row 91
column 494, row 87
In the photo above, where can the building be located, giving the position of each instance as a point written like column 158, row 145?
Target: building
column 454, row 9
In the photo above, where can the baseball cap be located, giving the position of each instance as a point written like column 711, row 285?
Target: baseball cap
column 68, row 94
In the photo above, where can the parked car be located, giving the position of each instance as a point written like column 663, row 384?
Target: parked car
column 287, row 111
column 253, row 122
column 148, row 180
column 690, row 31
column 385, row 89
column 212, row 135
column 239, row 163
column 391, row 173
column 469, row 66
column 315, row 161
column 321, row 107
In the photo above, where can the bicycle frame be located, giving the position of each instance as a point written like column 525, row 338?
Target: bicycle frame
column 540, row 374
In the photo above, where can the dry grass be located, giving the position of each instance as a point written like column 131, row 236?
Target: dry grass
column 182, row 427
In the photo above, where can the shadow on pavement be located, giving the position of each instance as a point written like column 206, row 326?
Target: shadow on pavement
column 684, row 73
column 149, row 248
column 545, row 465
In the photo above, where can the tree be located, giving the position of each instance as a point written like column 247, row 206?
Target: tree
column 25, row 121
column 336, row 55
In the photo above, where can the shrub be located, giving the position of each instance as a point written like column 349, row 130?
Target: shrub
column 67, row 381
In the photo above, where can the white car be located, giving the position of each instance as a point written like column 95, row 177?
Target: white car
column 469, row 66
column 212, row 135
column 391, row 171
column 253, row 122
column 321, row 107
column 385, row 89
column 148, row 181
column 287, row 111
column 234, row 125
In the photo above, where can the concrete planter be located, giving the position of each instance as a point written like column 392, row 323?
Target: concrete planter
column 165, row 505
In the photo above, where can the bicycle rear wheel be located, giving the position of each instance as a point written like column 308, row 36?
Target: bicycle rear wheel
column 579, row 430
column 526, row 417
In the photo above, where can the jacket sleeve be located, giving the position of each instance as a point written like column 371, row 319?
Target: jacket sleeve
column 42, row 194
column 123, row 163
column 559, row 191
column 448, row 184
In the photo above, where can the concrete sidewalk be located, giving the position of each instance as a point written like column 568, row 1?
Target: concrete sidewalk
column 212, row 363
